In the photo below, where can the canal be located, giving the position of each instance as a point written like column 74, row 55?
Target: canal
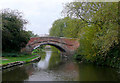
column 55, row 68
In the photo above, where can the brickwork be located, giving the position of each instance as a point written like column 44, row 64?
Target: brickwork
column 67, row 45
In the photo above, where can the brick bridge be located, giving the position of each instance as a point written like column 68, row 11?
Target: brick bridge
column 65, row 45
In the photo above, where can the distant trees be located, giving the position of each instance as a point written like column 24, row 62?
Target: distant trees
column 66, row 27
column 96, row 25
column 14, row 36
column 57, row 28
column 32, row 34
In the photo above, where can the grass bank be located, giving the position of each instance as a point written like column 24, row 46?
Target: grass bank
column 22, row 57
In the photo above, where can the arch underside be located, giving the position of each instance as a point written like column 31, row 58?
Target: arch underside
column 52, row 44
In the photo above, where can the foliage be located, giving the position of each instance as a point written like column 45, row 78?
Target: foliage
column 66, row 27
column 54, row 49
column 32, row 34
column 97, row 40
column 14, row 36
column 96, row 25
column 57, row 28
column 12, row 54
column 39, row 51
column 82, row 10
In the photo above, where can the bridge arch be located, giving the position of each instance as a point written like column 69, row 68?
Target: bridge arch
column 62, row 49
column 66, row 45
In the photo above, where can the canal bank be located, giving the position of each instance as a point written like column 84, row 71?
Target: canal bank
column 8, row 62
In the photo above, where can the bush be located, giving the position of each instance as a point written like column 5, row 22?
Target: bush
column 11, row 55
column 14, row 36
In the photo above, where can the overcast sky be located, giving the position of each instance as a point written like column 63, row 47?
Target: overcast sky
column 40, row 13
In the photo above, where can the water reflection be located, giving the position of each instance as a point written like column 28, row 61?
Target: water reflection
column 55, row 60
column 89, row 72
column 54, row 68
column 43, row 64
column 18, row 74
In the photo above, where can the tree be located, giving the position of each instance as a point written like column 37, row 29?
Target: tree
column 73, row 27
column 66, row 27
column 82, row 10
column 99, row 38
column 57, row 28
column 14, row 36
column 32, row 34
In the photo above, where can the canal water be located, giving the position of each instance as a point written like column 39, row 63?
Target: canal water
column 55, row 68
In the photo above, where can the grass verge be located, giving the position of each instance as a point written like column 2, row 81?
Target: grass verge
column 26, row 58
